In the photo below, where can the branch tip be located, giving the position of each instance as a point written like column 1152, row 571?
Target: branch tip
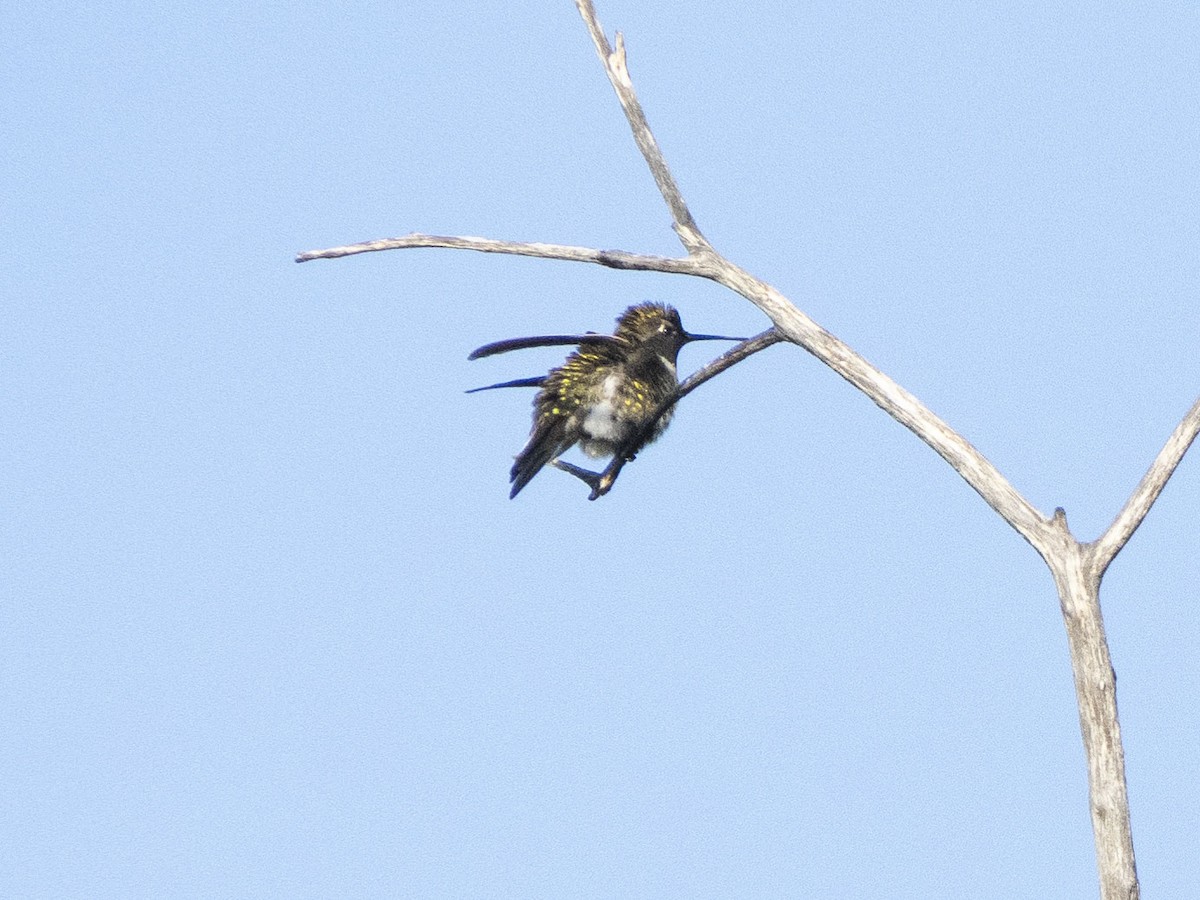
column 1136, row 508
column 619, row 63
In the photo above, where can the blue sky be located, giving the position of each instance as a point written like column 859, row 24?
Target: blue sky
column 270, row 625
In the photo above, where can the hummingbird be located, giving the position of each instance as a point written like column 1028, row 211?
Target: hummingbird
column 605, row 392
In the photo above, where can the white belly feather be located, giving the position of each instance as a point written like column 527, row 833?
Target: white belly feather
column 601, row 428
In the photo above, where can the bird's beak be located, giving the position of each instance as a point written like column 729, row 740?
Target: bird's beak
column 688, row 338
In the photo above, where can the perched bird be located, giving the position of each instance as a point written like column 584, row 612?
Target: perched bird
column 605, row 392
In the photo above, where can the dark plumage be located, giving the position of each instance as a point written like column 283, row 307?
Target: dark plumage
column 605, row 392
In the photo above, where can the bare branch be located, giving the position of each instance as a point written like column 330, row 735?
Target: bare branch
column 613, row 259
column 1109, row 544
column 898, row 403
column 618, row 75
column 1078, row 586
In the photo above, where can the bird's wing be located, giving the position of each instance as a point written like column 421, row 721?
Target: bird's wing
column 535, row 381
column 548, row 340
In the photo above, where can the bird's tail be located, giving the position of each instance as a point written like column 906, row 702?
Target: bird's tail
column 545, row 444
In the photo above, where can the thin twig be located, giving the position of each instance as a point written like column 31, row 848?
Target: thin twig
column 618, row 75
column 613, row 259
column 1109, row 544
